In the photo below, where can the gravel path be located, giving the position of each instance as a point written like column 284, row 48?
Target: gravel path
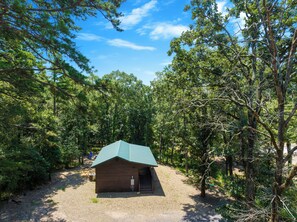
column 71, row 197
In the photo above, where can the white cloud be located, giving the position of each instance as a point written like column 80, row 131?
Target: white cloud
column 241, row 21
column 143, row 30
column 238, row 23
column 88, row 37
column 163, row 30
column 222, row 7
column 137, row 15
column 130, row 45
column 168, row 2
column 167, row 31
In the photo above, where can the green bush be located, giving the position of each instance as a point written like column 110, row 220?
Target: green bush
column 69, row 153
column 50, row 149
column 22, row 168
column 94, row 200
column 289, row 210
column 95, row 150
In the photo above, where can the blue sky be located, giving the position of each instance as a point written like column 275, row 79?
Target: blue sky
column 142, row 48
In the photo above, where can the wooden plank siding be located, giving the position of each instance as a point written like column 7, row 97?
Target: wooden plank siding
column 115, row 176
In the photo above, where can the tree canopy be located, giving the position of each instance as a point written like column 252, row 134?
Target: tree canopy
column 38, row 35
column 223, row 112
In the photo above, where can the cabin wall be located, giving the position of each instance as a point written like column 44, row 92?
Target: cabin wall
column 115, row 176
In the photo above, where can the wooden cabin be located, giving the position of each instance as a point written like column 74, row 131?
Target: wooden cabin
column 123, row 167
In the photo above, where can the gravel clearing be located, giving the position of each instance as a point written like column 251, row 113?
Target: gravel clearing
column 71, row 197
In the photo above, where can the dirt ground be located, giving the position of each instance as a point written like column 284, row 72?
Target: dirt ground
column 71, row 197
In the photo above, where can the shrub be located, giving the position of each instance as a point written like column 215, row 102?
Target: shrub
column 22, row 168
column 94, row 200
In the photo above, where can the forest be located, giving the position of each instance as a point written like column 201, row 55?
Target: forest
column 223, row 112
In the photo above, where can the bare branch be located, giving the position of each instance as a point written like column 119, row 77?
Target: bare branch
column 266, row 127
column 290, row 59
column 292, row 113
column 289, row 178
column 290, row 154
column 17, row 69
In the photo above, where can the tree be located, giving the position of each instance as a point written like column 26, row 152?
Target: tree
column 36, row 40
column 259, row 67
column 129, row 108
column 183, row 120
column 45, row 30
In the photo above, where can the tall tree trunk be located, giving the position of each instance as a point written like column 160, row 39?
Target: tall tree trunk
column 249, row 167
column 229, row 165
column 277, row 192
column 242, row 148
column 288, row 151
column 204, row 170
column 205, row 141
column 252, row 122
column 55, row 104
column 167, row 155
column 276, row 201
column 203, row 186
column 228, row 158
column 185, row 148
column 55, row 95
column 160, row 148
column 186, row 160
column 172, row 152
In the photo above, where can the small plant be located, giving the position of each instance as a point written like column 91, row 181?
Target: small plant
column 51, row 202
column 35, row 202
column 94, row 200
column 62, row 188
column 5, row 195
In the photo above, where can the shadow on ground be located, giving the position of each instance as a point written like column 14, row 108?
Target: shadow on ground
column 37, row 205
column 204, row 209
column 157, row 190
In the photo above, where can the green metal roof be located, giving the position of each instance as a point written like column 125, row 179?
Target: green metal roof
column 130, row 152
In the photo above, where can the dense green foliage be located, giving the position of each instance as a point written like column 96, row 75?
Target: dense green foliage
column 38, row 136
column 232, row 84
column 43, row 121
column 224, row 111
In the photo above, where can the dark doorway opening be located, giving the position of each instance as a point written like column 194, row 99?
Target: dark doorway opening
column 145, row 180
